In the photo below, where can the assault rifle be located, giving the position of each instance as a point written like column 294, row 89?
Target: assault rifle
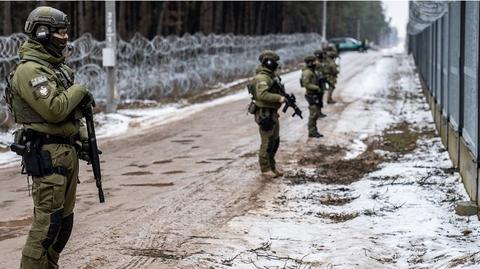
column 93, row 150
column 290, row 98
column 321, row 80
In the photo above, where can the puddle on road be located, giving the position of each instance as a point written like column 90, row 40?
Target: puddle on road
column 13, row 228
column 173, row 172
column 148, row 184
column 137, row 173
column 220, row 159
column 163, row 161
column 6, row 203
column 183, row 141
column 16, row 223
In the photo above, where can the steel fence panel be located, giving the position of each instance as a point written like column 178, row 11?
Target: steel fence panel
column 445, row 65
column 470, row 102
column 431, row 47
column 438, row 66
column 454, row 72
column 434, row 61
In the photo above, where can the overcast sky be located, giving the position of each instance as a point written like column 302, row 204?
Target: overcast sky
column 398, row 11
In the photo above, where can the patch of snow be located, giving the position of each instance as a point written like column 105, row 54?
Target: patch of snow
column 356, row 148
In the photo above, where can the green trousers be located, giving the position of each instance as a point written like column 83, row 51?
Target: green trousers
column 270, row 139
column 54, row 200
column 314, row 114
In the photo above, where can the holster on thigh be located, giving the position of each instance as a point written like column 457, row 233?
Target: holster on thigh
column 264, row 119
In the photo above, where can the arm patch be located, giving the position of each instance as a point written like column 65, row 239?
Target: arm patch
column 38, row 80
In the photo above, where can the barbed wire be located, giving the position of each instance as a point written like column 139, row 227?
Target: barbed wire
column 172, row 66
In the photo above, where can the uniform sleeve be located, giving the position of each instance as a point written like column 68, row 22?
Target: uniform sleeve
column 308, row 80
column 39, row 90
column 262, row 86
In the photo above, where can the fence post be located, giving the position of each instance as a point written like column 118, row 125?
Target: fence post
column 110, row 55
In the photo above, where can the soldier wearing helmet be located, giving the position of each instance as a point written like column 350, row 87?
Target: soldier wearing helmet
column 46, row 102
column 311, row 81
column 267, row 102
column 330, row 68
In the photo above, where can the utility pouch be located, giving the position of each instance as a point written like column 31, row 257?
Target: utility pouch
column 312, row 99
column 36, row 162
column 265, row 120
column 252, row 108
column 251, row 90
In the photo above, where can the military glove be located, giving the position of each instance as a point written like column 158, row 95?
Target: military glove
column 88, row 100
column 282, row 99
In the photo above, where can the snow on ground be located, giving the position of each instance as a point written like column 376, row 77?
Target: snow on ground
column 399, row 216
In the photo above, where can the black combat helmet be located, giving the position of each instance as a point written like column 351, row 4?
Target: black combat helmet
column 319, row 53
column 269, row 59
column 46, row 16
column 42, row 23
column 309, row 60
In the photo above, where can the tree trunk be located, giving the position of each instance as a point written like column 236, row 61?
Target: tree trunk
column 206, row 17
column 7, row 18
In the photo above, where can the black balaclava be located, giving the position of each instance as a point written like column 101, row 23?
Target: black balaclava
column 270, row 64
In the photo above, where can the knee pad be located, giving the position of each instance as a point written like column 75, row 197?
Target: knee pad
column 64, row 233
column 53, row 229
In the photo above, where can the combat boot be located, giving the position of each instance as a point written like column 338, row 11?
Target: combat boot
column 278, row 172
column 315, row 135
column 321, row 115
column 269, row 175
column 330, row 99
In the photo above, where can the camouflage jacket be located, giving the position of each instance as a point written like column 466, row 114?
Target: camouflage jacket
column 265, row 94
column 44, row 96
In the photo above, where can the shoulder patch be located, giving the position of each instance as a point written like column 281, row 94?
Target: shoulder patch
column 38, row 80
column 263, row 83
column 42, row 91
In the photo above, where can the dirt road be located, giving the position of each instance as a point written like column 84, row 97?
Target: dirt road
column 171, row 189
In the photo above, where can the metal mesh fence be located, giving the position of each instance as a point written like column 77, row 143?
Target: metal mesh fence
column 447, row 54
column 454, row 57
column 470, row 75
column 445, row 64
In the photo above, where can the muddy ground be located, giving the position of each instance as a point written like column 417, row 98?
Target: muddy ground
column 187, row 194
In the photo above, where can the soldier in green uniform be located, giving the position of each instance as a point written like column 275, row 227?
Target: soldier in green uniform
column 331, row 71
column 267, row 102
column 46, row 102
column 327, row 67
column 310, row 80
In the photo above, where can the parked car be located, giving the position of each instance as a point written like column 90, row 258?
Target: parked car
column 347, row 43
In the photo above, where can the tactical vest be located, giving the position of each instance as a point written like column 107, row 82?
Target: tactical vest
column 21, row 110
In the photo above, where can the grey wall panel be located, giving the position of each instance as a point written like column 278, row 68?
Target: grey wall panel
column 445, row 65
column 454, row 72
column 438, row 66
column 431, row 53
column 470, row 102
